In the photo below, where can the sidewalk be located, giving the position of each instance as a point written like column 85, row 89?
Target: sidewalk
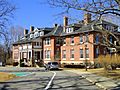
column 102, row 82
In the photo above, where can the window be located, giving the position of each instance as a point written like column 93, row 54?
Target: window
column 111, row 39
column 87, row 53
column 35, row 55
column 72, row 40
column 104, row 39
column 29, row 55
column 64, row 54
column 104, row 51
column 15, row 55
column 97, row 39
column 107, row 27
column 86, row 38
column 81, row 39
column 40, row 43
column 36, row 34
column 57, row 54
column 31, row 35
column 72, row 53
column 57, row 41
column 47, row 54
column 47, row 41
column 64, row 40
column 37, row 43
column 81, row 53
column 41, row 33
column 69, row 30
column 97, row 52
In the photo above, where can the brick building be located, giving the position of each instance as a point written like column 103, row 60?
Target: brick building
column 30, row 46
column 79, row 42
column 52, row 45
column 68, row 44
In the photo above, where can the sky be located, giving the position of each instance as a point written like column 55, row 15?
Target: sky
column 39, row 14
column 36, row 13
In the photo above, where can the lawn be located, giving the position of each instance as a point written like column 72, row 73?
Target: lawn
column 114, row 74
column 6, row 76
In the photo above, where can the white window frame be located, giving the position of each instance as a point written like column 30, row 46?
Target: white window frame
column 47, row 41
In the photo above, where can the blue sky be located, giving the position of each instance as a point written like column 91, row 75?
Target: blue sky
column 32, row 12
column 36, row 13
column 39, row 14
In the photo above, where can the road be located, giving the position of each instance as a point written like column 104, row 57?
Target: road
column 63, row 80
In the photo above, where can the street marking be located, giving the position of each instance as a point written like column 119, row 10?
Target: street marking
column 50, row 82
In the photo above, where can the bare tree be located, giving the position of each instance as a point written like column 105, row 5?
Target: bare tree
column 15, row 33
column 6, row 11
column 97, row 7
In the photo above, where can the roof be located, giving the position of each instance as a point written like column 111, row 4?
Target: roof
column 55, row 32
column 93, row 26
column 28, row 39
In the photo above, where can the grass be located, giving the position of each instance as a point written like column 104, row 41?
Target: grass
column 6, row 76
column 114, row 74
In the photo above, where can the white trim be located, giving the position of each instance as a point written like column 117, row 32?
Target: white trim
column 64, row 44
column 72, row 44
column 81, row 42
column 84, row 58
column 63, row 58
column 47, row 59
column 72, row 59
column 48, row 45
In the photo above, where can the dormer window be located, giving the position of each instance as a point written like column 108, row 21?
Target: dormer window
column 69, row 30
column 36, row 34
column 31, row 35
column 41, row 33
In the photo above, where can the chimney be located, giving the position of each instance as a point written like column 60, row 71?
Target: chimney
column 31, row 28
column 87, row 18
column 25, row 32
column 55, row 25
column 65, row 23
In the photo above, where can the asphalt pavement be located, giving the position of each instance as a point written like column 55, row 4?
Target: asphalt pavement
column 46, row 80
column 65, row 80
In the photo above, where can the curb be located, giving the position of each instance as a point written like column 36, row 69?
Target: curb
column 98, row 84
column 95, row 82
